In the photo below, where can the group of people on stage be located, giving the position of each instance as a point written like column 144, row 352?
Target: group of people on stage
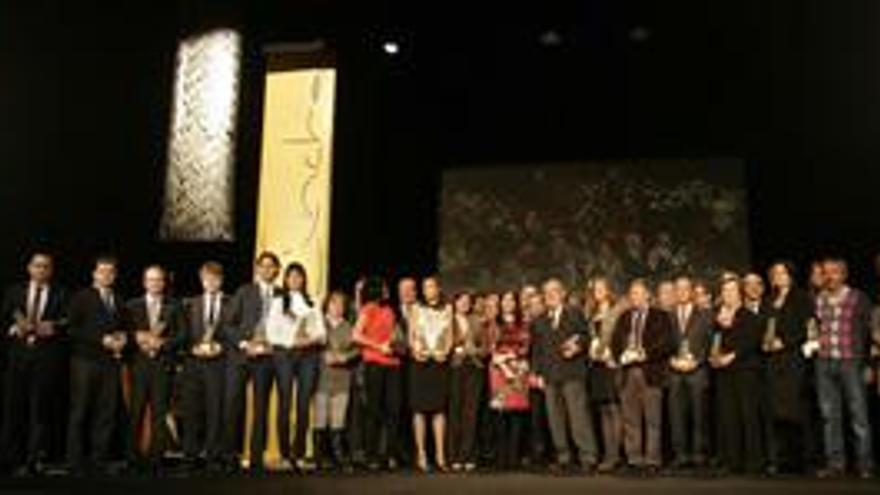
column 687, row 375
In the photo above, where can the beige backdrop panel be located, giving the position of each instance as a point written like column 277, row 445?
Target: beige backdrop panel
column 293, row 218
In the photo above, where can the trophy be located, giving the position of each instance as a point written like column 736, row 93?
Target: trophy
column 811, row 346
column 154, row 339
column 24, row 328
column 207, row 347
column 570, row 347
column 259, row 345
column 119, row 339
column 685, row 357
column 771, row 342
column 715, row 353
column 301, row 334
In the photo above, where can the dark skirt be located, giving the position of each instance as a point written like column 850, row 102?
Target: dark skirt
column 428, row 387
column 602, row 385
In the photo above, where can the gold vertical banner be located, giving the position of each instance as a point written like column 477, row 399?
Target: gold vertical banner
column 293, row 216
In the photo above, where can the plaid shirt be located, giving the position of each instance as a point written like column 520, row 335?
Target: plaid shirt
column 838, row 314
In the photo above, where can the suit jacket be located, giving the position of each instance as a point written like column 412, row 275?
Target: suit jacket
column 171, row 315
column 90, row 320
column 547, row 342
column 657, row 339
column 697, row 332
column 15, row 300
column 247, row 313
column 195, row 317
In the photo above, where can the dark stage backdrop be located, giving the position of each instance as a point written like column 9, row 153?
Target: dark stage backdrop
column 508, row 225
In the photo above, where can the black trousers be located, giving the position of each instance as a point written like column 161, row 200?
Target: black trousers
column 94, row 409
column 509, row 429
column 687, row 414
column 539, row 427
column 238, row 370
column 383, row 391
column 31, row 383
column 300, row 368
column 202, row 396
column 150, row 384
column 739, row 421
column 466, row 395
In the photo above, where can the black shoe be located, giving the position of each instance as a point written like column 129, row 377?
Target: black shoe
column 830, row 472
column 559, row 469
column 866, row 474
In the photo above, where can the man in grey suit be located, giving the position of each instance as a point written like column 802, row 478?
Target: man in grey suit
column 560, row 336
column 688, row 377
column 248, row 355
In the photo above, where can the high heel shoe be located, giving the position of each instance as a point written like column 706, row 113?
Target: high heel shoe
column 422, row 464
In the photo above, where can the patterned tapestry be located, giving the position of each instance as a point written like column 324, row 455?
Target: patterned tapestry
column 503, row 226
column 199, row 185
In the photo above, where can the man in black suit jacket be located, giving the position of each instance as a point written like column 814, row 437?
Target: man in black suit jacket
column 98, row 325
column 208, row 318
column 247, row 356
column 688, row 377
column 642, row 344
column 34, row 314
column 559, row 339
column 156, row 333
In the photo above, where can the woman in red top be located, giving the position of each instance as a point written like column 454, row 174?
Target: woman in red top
column 375, row 333
column 509, row 380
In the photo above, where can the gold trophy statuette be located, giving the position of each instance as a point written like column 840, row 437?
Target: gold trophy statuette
column 154, row 340
column 119, row 340
column 685, row 356
column 258, row 344
column 771, row 342
column 207, row 346
column 24, row 328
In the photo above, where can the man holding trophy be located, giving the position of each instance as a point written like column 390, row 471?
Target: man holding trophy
column 249, row 355
column 642, row 344
column 156, row 322
column 207, row 322
column 98, row 333
column 688, row 377
column 34, row 314
column 561, row 340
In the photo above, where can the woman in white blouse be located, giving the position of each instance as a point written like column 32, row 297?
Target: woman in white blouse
column 430, row 341
column 297, row 334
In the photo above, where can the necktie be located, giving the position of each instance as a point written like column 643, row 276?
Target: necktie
column 155, row 309
column 682, row 318
column 212, row 309
column 34, row 310
column 107, row 297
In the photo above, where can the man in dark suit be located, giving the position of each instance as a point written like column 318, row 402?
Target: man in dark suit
column 559, row 339
column 33, row 319
column 156, row 322
column 642, row 344
column 753, row 299
column 98, row 325
column 207, row 321
column 248, row 354
column 688, row 377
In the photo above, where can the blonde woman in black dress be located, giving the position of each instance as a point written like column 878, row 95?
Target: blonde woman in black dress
column 430, row 341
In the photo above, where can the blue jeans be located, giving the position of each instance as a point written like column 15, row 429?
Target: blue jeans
column 839, row 383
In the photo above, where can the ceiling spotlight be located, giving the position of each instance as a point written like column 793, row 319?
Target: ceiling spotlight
column 550, row 38
column 391, row 48
column 639, row 34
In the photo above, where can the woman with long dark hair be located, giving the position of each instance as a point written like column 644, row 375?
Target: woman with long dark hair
column 374, row 332
column 509, row 381
column 430, row 341
column 297, row 334
column 791, row 314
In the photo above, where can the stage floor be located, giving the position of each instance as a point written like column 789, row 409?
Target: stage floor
column 395, row 484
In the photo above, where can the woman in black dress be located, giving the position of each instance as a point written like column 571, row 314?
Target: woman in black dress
column 735, row 357
column 430, row 341
column 791, row 313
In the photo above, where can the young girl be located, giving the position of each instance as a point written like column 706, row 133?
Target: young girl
column 331, row 398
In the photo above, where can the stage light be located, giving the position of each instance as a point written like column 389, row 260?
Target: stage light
column 200, row 176
column 391, row 48
column 550, row 38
